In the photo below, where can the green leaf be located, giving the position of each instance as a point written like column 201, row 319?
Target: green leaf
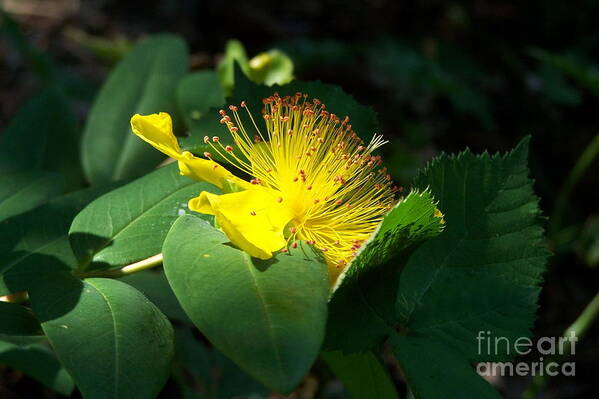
column 22, row 191
column 556, row 88
column 267, row 316
column 362, row 375
column 109, row 337
column 35, row 243
column 484, row 272
column 362, row 309
column 213, row 374
column 39, row 362
column 17, row 320
column 143, row 82
column 362, row 118
column 583, row 73
column 434, row 371
column 43, row 135
column 481, row 275
column 130, row 223
column 156, row 288
column 196, row 94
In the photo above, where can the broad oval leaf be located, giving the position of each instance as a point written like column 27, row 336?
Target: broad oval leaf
column 267, row 316
column 35, row 243
column 110, row 338
column 130, row 223
column 43, row 135
column 144, row 82
column 22, row 191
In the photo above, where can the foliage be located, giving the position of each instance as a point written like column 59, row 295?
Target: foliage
column 462, row 251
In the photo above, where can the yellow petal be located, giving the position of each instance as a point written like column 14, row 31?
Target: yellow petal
column 157, row 130
column 254, row 219
column 211, row 172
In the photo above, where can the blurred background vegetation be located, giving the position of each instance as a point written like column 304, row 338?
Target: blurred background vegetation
column 442, row 76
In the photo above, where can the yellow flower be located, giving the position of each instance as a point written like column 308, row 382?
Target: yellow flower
column 313, row 179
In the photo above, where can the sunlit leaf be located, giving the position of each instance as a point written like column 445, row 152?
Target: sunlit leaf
column 267, row 316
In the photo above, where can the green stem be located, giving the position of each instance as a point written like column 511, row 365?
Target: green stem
column 584, row 161
column 136, row 267
column 579, row 328
column 586, row 319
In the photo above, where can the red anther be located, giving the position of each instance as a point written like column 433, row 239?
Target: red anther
column 215, row 166
column 284, row 250
column 312, row 148
column 309, row 187
column 280, row 199
column 256, row 181
column 295, row 179
column 338, row 202
column 348, row 205
column 216, row 139
column 222, row 112
column 290, row 132
column 266, row 116
column 243, row 105
column 233, row 129
column 229, row 148
column 293, row 230
column 206, row 139
column 233, row 108
column 316, row 201
column 360, row 148
column 207, row 154
column 253, row 213
column 294, row 245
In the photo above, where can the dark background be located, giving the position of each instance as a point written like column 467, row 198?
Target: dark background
column 441, row 75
